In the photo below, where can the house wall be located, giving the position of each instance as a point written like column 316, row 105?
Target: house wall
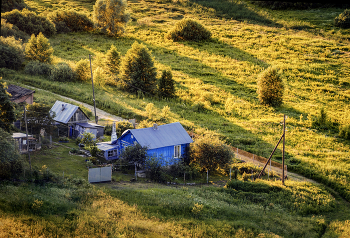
column 166, row 153
column 114, row 156
column 78, row 116
column 28, row 99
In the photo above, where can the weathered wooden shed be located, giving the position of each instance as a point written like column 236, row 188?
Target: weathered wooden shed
column 74, row 120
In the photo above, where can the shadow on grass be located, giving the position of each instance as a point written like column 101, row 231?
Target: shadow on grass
column 235, row 10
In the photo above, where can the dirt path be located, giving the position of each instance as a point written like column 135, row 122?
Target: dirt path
column 290, row 175
column 100, row 113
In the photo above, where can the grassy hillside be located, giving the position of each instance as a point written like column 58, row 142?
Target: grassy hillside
column 313, row 55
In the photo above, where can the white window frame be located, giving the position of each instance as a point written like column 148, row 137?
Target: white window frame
column 109, row 153
column 177, row 151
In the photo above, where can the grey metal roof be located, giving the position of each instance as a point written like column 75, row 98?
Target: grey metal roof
column 18, row 92
column 164, row 135
column 64, row 111
column 105, row 146
column 20, row 135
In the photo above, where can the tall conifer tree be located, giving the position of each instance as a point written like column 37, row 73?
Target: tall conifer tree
column 113, row 61
column 166, row 85
column 138, row 70
column 38, row 48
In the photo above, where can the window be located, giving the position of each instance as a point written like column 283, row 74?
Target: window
column 177, row 151
column 110, row 153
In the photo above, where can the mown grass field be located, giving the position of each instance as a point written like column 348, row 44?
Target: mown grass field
column 314, row 58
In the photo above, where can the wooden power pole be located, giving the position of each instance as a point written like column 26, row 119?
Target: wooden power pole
column 93, row 90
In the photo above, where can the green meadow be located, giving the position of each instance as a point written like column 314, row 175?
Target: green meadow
column 216, row 84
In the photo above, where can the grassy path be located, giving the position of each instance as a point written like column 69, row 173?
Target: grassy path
column 100, row 113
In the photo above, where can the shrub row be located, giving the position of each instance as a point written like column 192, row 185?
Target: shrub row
column 8, row 29
column 30, row 22
column 67, row 21
column 11, row 53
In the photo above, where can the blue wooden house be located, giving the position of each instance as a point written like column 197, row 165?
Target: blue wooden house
column 167, row 142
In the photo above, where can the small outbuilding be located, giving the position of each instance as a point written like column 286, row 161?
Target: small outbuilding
column 23, row 144
column 73, row 121
column 20, row 94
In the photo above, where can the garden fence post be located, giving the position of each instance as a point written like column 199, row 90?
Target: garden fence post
column 207, row 176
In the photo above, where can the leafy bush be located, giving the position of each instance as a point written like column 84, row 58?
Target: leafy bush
column 62, row 72
column 123, row 126
column 9, row 5
column 110, row 16
column 134, row 154
column 82, row 70
column 113, row 61
column 138, row 70
column 88, row 139
column 208, row 152
column 11, row 53
column 344, row 132
column 29, row 22
column 343, row 20
column 270, row 87
column 8, row 29
column 38, row 68
column 70, row 20
column 166, row 83
column 11, row 165
column 38, row 48
column 188, row 30
column 154, row 170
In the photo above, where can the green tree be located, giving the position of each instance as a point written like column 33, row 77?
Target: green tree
column 166, row 86
column 88, row 139
column 209, row 152
column 134, row 154
column 113, row 61
column 38, row 48
column 38, row 117
column 138, row 70
column 270, row 87
column 110, row 16
column 82, row 70
column 7, row 113
column 11, row 165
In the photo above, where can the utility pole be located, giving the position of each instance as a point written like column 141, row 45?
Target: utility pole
column 93, row 90
column 284, row 139
column 25, row 120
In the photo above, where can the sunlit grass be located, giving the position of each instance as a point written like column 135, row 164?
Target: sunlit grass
column 312, row 54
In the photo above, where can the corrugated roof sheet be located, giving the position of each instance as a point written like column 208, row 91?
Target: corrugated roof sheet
column 64, row 111
column 164, row 135
column 18, row 92
column 106, row 146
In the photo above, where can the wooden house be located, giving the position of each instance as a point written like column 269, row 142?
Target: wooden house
column 168, row 143
column 20, row 94
column 73, row 121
